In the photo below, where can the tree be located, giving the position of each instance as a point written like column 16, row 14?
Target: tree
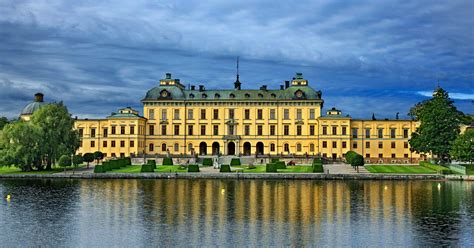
column 20, row 146
column 57, row 132
column 77, row 160
column 98, row 156
column 439, row 126
column 356, row 161
column 3, row 121
column 88, row 157
column 463, row 147
column 65, row 161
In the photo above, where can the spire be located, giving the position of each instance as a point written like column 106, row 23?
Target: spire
column 237, row 83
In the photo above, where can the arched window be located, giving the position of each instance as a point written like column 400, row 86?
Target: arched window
column 176, row 147
column 151, row 147
column 298, row 147
column 273, row 95
column 204, row 95
column 287, row 148
column 260, row 95
column 272, row 147
column 311, row 147
column 190, row 147
column 163, row 147
column 247, row 95
column 232, row 95
column 191, row 96
column 217, row 96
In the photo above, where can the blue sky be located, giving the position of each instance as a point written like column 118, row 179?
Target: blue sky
column 367, row 57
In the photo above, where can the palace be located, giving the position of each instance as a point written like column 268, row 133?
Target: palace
column 258, row 122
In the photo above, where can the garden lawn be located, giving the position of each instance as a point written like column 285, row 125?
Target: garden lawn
column 170, row 168
column 399, row 169
column 289, row 169
column 15, row 170
column 128, row 169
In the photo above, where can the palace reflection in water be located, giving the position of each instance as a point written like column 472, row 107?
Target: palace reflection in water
column 255, row 213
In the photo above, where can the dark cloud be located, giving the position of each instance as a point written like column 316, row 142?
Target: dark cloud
column 371, row 56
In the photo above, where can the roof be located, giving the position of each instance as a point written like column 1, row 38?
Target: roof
column 32, row 107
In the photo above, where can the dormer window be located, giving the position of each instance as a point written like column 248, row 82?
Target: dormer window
column 217, row 96
column 232, row 95
column 164, row 93
column 260, row 95
column 247, row 95
column 204, row 95
column 299, row 94
column 191, row 96
column 273, row 95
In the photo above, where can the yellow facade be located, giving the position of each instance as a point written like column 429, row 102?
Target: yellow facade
column 287, row 121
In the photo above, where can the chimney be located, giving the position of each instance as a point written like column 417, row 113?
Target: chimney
column 193, row 87
column 263, row 87
column 201, row 87
column 168, row 75
column 282, row 87
column 39, row 97
column 287, row 84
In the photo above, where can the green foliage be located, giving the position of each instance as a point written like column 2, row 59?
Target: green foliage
column 469, row 168
column 77, row 160
column 225, row 168
column 147, row 168
column 128, row 161
column 167, row 161
column 435, row 167
column 357, row 160
column 65, row 161
column 207, row 162
column 271, row 167
column 107, row 166
column 317, row 165
column 349, row 156
column 98, row 155
column 235, row 162
column 280, row 164
column 99, row 169
column 274, row 160
column 3, row 122
column 152, row 163
column 193, row 168
column 88, row 157
column 115, row 164
column 463, row 147
column 439, row 126
column 251, row 166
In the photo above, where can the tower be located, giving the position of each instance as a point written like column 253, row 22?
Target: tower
column 237, row 83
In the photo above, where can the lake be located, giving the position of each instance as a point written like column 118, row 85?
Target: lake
column 139, row 213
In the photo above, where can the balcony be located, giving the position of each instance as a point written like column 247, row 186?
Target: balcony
column 231, row 137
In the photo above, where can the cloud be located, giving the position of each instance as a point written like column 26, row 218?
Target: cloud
column 452, row 95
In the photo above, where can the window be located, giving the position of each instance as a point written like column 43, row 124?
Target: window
column 286, row 114
column 405, row 155
column 246, row 130
column 367, row 155
column 298, row 147
column 287, row 148
column 132, row 129
column 163, row 147
column 113, row 143
column 215, row 114
column 334, row 144
column 122, row 143
column 354, row 133
column 380, row 155
column 151, row 147
column 231, row 130
column 299, row 115
column 354, row 145
column 113, row 130
column 132, row 143
column 81, row 132
column 203, row 129
column 176, row 114
column 92, row 132
column 405, row 145
column 164, row 115
column 325, row 144
column 272, row 114
column 190, row 129
column 272, row 129
column 393, row 144
column 334, row 130
column 392, row 133
column 231, row 113
column 367, row 144
column 380, row 133
column 105, row 130
column 298, row 130
column 247, row 114
column 163, row 129
column 259, row 114
column 393, row 155
column 312, row 116
column 344, row 131
column 286, row 130
column 151, row 114
column 190, row 147
column 380, row 145
column 92, row 143
column 190, row 114
column 152, row 130
column 311, row 129
column 104, row 143
column 325, row 155
column 176, row 147
column 203, row 114
column 272, row 147
column 176, row 129
column 216, row 130
column 325, row 130
column 367, row 133
column 259, row 130
column 311, row 147
column 122, row 129
column 344, row 144
column 405, row 133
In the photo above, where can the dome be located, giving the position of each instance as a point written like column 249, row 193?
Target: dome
column 172, row 92
column 33, row 106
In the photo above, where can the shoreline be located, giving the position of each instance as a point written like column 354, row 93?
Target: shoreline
column 241, row 176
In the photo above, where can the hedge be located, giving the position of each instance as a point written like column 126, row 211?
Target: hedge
column 99, row 169
column 435, row 167
column 280, row 165
column 235, row 162
column 318, row 168
column 271, row 167
column 193, row 168
column 147, row 168
column 225, row 168
column 152, row 163
column 128, row 161
column 167, row 161
column 207, row 162
column 274, row 160
column 469, row 168
column 106, row 165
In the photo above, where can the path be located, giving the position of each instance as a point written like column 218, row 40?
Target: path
column 343, row 169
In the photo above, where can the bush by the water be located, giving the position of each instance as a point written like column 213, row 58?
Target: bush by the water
column 435, row 167
column 280, row 164
column 271, row 167
column 99, row 169
column 152, row 163
column 147, row 168
column 167, row 161
column 207, row 162
column 235, row 162
column 225, row 168
column 193, row 168
column 349, row 156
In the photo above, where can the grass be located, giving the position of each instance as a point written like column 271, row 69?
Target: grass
column 159, row 169
column 289, row 169
column 399, row 169
column 15, row 170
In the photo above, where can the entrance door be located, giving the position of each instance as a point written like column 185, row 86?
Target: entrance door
column 259, row 148
column 247, row 148
column 203, row 148
column 231, row 148
column 215, row 148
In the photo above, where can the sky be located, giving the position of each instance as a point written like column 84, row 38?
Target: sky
column 366, row 57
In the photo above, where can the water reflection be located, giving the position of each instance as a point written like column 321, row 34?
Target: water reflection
column 241, row 213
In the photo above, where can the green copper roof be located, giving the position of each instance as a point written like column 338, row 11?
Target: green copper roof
column 32, row 107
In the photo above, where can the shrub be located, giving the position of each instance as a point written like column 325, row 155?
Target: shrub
column 128, row 161
column 271, row 167
column 77, row 160
column 235, row 162
column 193, row 168
column 435, row 167
column 318, row 167
column 251, row 166
column 98, row 156
column 99, row 169
column 167, row 161
column 107, row 166
column 147, row 168
column 152, row 163
column 357, row 160
column 65, row 161
column 274, row 160
column 349, row 156
column 225, row 168
column 114, row 164
column 207, row 162
column 88, row 157
column 280, row 165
